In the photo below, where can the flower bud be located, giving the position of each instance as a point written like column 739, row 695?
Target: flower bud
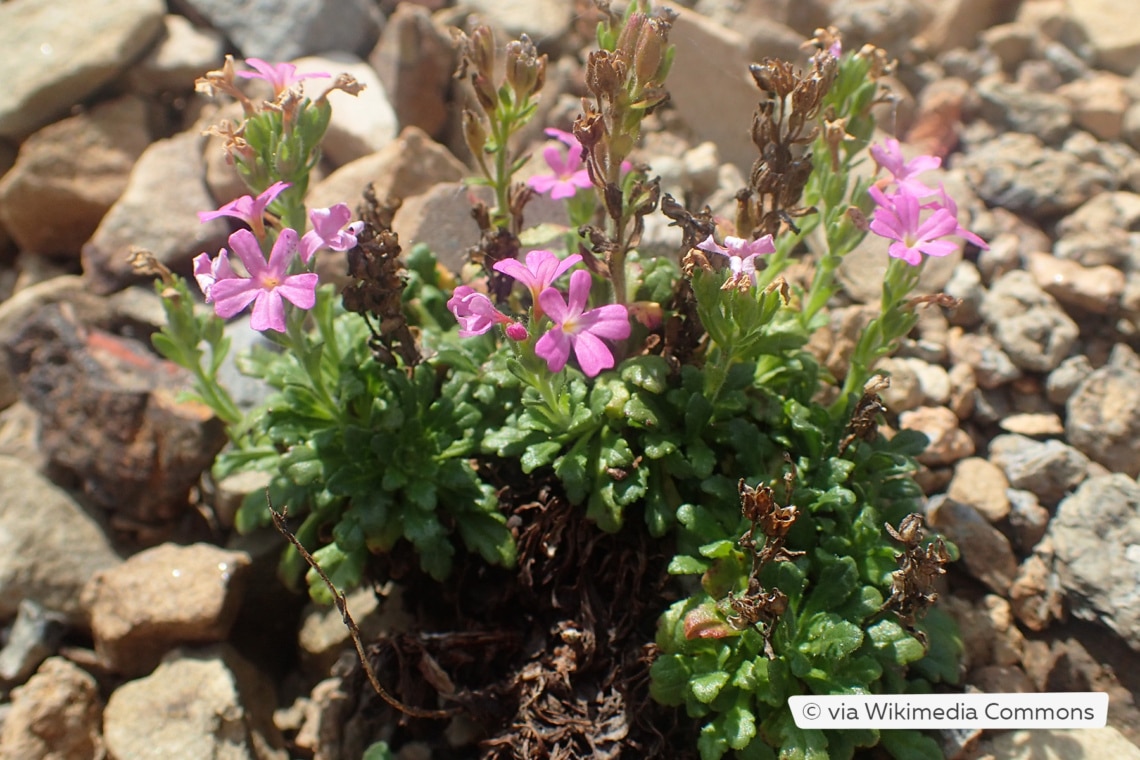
column 516, row 331
column 481, row 50
column 526, row 71
column 474, row 133
column 649, row 59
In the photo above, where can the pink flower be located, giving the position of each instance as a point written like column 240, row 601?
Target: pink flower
column 580, row 330
column 541, row 270
column 281, row 75
column 741, row 254
column 330, row 231
column 474, row 311
column 898, row 218
column 266, row 285
column 568, row 175
column 249, row 209
column 207, row 271
column 890, row 157
column 949, row 204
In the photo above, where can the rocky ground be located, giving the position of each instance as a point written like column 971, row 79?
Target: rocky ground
column 137, row 624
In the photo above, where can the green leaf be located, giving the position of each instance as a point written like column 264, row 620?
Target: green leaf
column 826, row 635
column 908, row 744
column 572, row 469
column 378, row 751
column 669, row 678
column 893, row 644
column 707, row 686
column 711, row 744
column 342, row 568
column 683, row 564
column 649, row 372
column 738, row 724
column 640, row 413
column 488, row 535
column 539, row 455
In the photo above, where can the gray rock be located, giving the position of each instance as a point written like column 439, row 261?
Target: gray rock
column 547, row 22
column 441, row 218
column 948, row 442
column 982, row 485
column 1031, row 744
column 183, row 53
column 992, row 366
column 986, row 553
column 33, row 638
column 965, row 284
column 209, row 703
column 1012, row 107
column 415, row 60
column 158, row 212
column 1048, row 469
column 59, row 52
column 1093, row 289
column 69, row 174
column 323, row 636
column 889, row 24
column 1103, row 418
column 49, row 547
column 1027, row 517
column 1017, row 172
column 1101, row 231
column 903, row 394
column 160, row 598
column 1028, row 323
column 56, row 715
column 281, row 30
column 1062, row 381
column 1098, row 103
column 1114, row 45
column 1130, row 129
column 1096, row 543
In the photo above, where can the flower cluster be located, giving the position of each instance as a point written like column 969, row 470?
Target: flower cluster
column 573, row 328
column 899, row 214
column 267, row 284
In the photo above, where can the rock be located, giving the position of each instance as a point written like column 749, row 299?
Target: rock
column 323, row 636
column 957, row 24
column 1036, row 597
column 702, row 167
column 1122, row 162
column 1011, row 43
column 288, row 29
column 32, row 639
column 1033, row 425
column 360, row 125
column 710, row 53
column 163, row 597
column 862, row 271
column 1099, row 233
column 948, row 442
column 986, row 553
column 1000, row 679
column 547, row 22
column 1008, row 105
column 1098, row 103
column 1130, row 127
column 1114, row 46
column 441, row 219
column 1103, row 418
column 158, row 212
column 1027, row 517
column 991, row 365
column 56, row 715
column 1062, row 381
column 1096, row 541
column 965, row 284
column 111, row 415
column 19, row 434
column 49, row 546
column 889, row 24
column 208, row 704
column 1094, row 289
column 59, row 52
column 983, row 486
column 933, row 381
column 1049, row 469
column 963, row 389
column 182, row 53
column 1031, row 328
column 415, row 60
column 1045, row 743
column 1018, row 173
column 322, row 720
column 68, row 175
column 903, row 394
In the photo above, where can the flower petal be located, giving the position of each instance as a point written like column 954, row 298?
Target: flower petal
column 593, row 355
column 300, row 289
column 232, row 296
column 552, row 304
column 554, row 346
column 514, row 268
column 610, row 321
column 580, row 282
column 244, row 244
column 284, row 250
column 268, row 312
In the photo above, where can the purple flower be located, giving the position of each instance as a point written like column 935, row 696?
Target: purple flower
column 474, row 311
column 949, row 204
column 207, row 271
column 889, row 156
column 330, row 231
column 541, row 270
column 741, row 254
column 247, row 208
column 281, row 75
column 267, row 283
column 898, row 218
column 580, row 330
column 568, row 175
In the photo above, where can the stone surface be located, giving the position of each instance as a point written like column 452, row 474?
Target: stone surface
column 986, row 553
column 991, row 365
column 965, row 284
column 1032, row 329
column 1102, row 231
column 59, row 52
column 32, row 639
column 158, row 212
column 1114, row 45
column 1098, row 103
column 323, row 636
column 1027, row 517
column 1096, row 541
column 182, row 53
column 111, row 415
column 68, row 175
column 207, row 704
column 1049, row 469
column 57, row 715
column 360, row 125
column 49, row 547
column 1059, row 744
column 1036, row 596
column 982, row 485
column 1033, row 424
column 415, row 60
column 441, row 219
column 281, row 30
column 1062, row 381
column 948, row 442
column 903, row 394
column 1103, row 418
column 1010, row 106
column 163, row 597
column 546, row 21
column 1095, row 289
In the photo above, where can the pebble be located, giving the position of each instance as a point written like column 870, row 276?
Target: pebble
column 1028, row 323
column 1018, row 110
column 1101, row 232
column 56, row 715
column 1036, row 597
column 547, row 22
column 965, row 284
column 986, row 553
column 1033, row 425
column 183, row 53
column 1046, row 744
column 1063, row 380
column 1098, row 103
column 1114, row 45
column 948, row 442
column 991, row 365
column 160, row 598
column 33, row 637
column 903, row 394
column 982, row 485
column 1028, row 519
column 1049, row 469
column 1103, row 418
column 1094, row 289
column 415, row 60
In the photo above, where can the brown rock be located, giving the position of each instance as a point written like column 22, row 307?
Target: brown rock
column 441, row 219
column 982, row 485
column 986, row 553
column 415, row 60
column 160, row 598
column 56, row 715
column 1096, row 289
column 1099, row 103
column 111, row 415
column 1034, row 425
column 948, row 442
column 1115, row 45
column 1035, row 596
column 69, row 174
column 999, row 679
